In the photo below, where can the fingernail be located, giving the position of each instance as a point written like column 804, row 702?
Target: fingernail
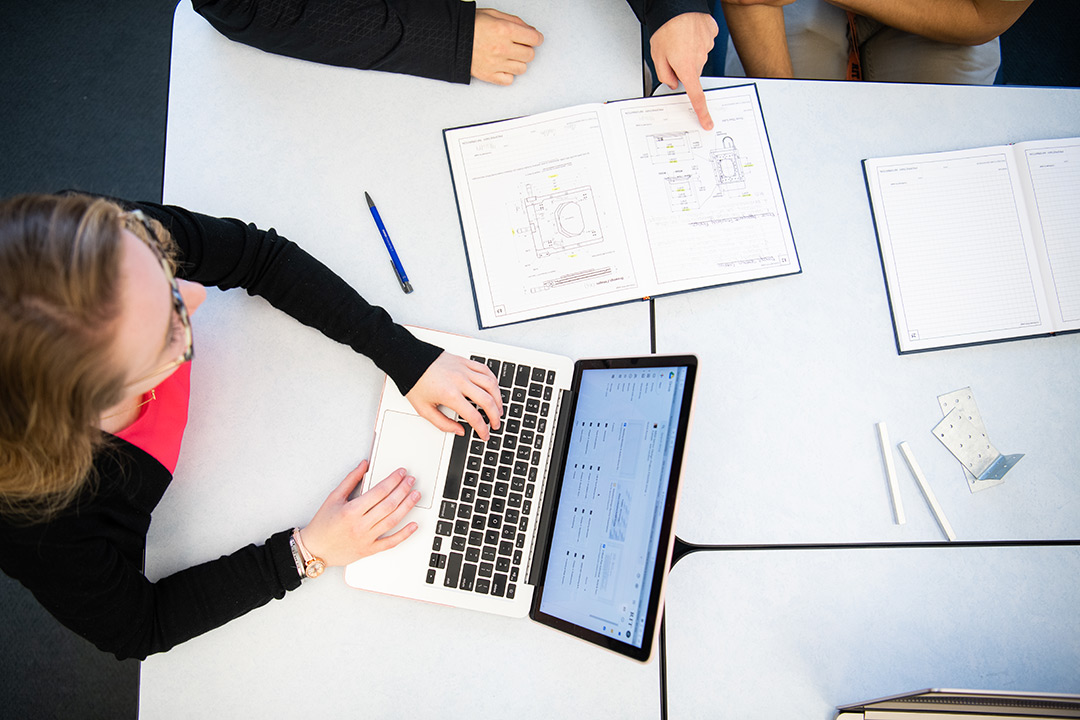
column 410, row 480
column 415, row 496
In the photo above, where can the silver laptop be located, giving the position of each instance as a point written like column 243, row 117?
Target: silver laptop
column 566, row 514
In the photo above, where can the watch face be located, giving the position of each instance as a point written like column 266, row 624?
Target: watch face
column 315, row 568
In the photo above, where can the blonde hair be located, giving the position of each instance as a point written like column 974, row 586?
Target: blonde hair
column 59, row 268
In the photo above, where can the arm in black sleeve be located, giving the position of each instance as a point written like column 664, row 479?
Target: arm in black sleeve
column 227, row 253
column 85, row 566
column 429, row 38
column 654, row 13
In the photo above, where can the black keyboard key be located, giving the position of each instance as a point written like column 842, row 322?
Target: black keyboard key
column 476, row 447
column 510, row 590
column 529, row 490
column 477, row 358
column 468, row 575
column 444, row 528
column 468, row 495
column 538, row 374
column 513, row 574
column 547, row 393
column 483, row 586
column 506, row 548
column 473, row 463
column 535, row 459
column 523, row 524
column 526, row 438
column 488, row 553
column 485, row 490
column 472, row 554
column 517, row 484
column 508, row 532
column 516, row 410
column 529, row 422
column 518, row 395
column 498, row 585
column 503, row 473
column 532, row 474
column 476, row 539
column 517, row 557
column 482, row 506
column 501, row 489
column 532, row 405
column 458, row 541
column 514, row 501
column 503, row 564
column 544, row 409
column 464, row 511
column 513, row 427
column 493, row 442
column 461, row 527
column 447, row 510
column 431, row 577
column 457, row 465
column 495, row 522
column 491, row 458
column 506, row 374
column 520, row 540
column 520, row 468
column 438, row 560
column 491, row 537
column 479, row 522
column 505, row 395
column 437, row 544
column 551, row 377
column 498, row 505
column 536, row 390
column 512, row 516
column 471, row 479
column 524, row 452
column 453, row 569
column 493, row 365
column 541, row 425
column 486, row 569
column 521, row 377
column 510, row 442
column 526, row 507
column 539, row 443
column 487, row 474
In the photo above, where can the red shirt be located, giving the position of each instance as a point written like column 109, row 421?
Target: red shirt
column 159, row 429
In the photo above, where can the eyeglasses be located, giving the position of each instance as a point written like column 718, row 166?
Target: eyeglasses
column 138, row 224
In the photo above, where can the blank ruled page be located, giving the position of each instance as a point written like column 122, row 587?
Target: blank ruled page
column 1054, row 170
column 958, row 259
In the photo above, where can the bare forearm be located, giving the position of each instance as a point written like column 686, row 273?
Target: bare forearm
column 757, row 32
column 962, row 22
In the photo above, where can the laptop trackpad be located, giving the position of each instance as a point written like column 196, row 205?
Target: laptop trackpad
column 410, row 442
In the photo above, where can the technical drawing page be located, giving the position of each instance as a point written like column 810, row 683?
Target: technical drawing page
column 1053, row 169
column 542, row 224
column 710, row 200
column 957, row 249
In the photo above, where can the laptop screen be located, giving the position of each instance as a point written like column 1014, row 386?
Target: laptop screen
column 611, row 530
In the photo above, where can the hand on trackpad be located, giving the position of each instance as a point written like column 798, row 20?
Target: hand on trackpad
column 410, row 442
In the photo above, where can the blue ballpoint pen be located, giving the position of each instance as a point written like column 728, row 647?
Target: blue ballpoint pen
column 399, row 270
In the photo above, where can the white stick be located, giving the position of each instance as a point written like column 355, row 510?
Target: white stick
column 890, row 472
column 917, row 472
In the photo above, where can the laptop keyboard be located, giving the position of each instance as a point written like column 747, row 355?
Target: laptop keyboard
column 488, row 499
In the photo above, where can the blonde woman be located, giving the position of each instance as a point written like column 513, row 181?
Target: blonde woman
column 96, row 339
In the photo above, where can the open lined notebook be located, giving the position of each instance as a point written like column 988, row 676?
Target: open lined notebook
column 979, row 245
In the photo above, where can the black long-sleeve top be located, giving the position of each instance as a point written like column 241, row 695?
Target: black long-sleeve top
column 429, row 38
column 85, row 565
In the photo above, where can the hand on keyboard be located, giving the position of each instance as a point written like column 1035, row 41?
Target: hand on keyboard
column 345, row 530
column 458, row 383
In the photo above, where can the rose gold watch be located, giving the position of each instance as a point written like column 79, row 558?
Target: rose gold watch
column 313, row 566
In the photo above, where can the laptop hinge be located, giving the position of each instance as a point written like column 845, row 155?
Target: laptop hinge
column 549, row 489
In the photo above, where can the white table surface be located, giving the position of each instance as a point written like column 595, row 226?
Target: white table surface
column 279, row 414
column 794, row 633
column 796, row 371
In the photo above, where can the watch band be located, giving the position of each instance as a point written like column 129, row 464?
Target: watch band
column 313, row 566
column 296, row 556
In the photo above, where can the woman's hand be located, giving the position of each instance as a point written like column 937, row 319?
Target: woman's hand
column 453, row 381
column 345, row 530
